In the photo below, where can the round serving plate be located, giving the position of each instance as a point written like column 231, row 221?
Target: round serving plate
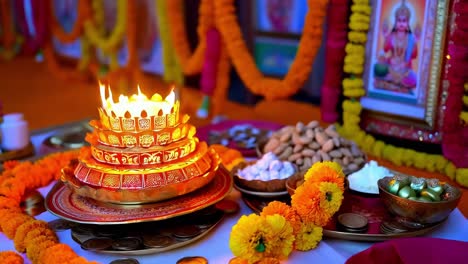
column 62, row 202
column 203, row 133
column 382, row 225
column 149, row 237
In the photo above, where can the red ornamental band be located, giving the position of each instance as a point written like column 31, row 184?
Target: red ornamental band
column 149, row 156
column 140, row 179
column 130, row 123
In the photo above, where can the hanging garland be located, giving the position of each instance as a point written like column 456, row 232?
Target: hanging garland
column 81, row 71
column 172, row 69
column 112, row 43
column 10, row 41
column 76, row 31
column 191, row 63
column 123, row 76
column 299, row 70
column 353, row 89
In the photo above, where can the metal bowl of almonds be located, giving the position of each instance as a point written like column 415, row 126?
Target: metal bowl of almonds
column 307, row 144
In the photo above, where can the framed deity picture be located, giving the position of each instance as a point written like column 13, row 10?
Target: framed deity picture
column 280, row 16
column 404, row 61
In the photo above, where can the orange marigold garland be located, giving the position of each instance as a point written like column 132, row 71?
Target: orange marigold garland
column 30, row 235
column 191, row 63
column 77, row 30
column 10, row 257
column 226, row 21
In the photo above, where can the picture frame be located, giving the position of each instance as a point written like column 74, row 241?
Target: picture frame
column 403, row 68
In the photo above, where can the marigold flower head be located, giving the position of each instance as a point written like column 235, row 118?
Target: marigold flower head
column 325, row 173
column 277, row 207
column 279, row 236
column 247, row 239
column 308, row 237
column 306, row 202
column 318, row 166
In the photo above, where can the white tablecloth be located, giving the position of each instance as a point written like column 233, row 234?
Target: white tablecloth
column 215, row 245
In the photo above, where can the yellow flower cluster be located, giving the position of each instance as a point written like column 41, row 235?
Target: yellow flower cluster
column 464, row 114
column 279, row 228
column 355, row 49
column 353, row 88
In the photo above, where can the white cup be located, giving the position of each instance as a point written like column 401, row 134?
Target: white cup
column 15, row 132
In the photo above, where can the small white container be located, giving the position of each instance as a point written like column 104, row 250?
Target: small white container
column 15, row 132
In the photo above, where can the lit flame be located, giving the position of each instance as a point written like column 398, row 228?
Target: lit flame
column 136, row 103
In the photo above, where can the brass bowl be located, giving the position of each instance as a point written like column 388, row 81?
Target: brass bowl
column 294, row 181
column 276, row 185
column 419, row 211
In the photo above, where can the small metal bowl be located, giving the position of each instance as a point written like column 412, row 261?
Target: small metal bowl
column 419, row 211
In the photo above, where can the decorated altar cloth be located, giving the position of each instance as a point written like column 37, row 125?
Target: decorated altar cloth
column 215, row 245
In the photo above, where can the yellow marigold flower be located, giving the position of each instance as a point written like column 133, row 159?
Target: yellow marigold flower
column 10, row 257
column 309, row 237
column 247, row 239
column 331, row 197
column 279, row 237
column 306, row 202
column 284, row 210
column 357, row 37
column 326, row 171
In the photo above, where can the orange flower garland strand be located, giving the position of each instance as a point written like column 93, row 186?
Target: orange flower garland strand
column 30, row 235
column 77, row 30
column 191, row 63
column 299, row 71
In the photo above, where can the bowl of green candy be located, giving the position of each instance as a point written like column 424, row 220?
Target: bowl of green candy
column 418, row 200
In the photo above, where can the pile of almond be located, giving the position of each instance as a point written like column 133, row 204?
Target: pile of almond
column 305, row 145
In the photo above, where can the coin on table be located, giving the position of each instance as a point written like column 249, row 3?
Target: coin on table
column 186, row 231
column 126, row 243
column 192, row 260
column 97, row 243
column 60, row 225
column 228, row 206
column 125, row 261
column 157, row 241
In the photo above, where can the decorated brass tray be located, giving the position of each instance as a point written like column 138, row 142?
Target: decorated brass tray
column 62, row 202
column 381, row 225
column 148, row 237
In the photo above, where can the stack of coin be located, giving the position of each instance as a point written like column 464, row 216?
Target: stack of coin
column 351, row 222
column 392, row 227
column 59, row 225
